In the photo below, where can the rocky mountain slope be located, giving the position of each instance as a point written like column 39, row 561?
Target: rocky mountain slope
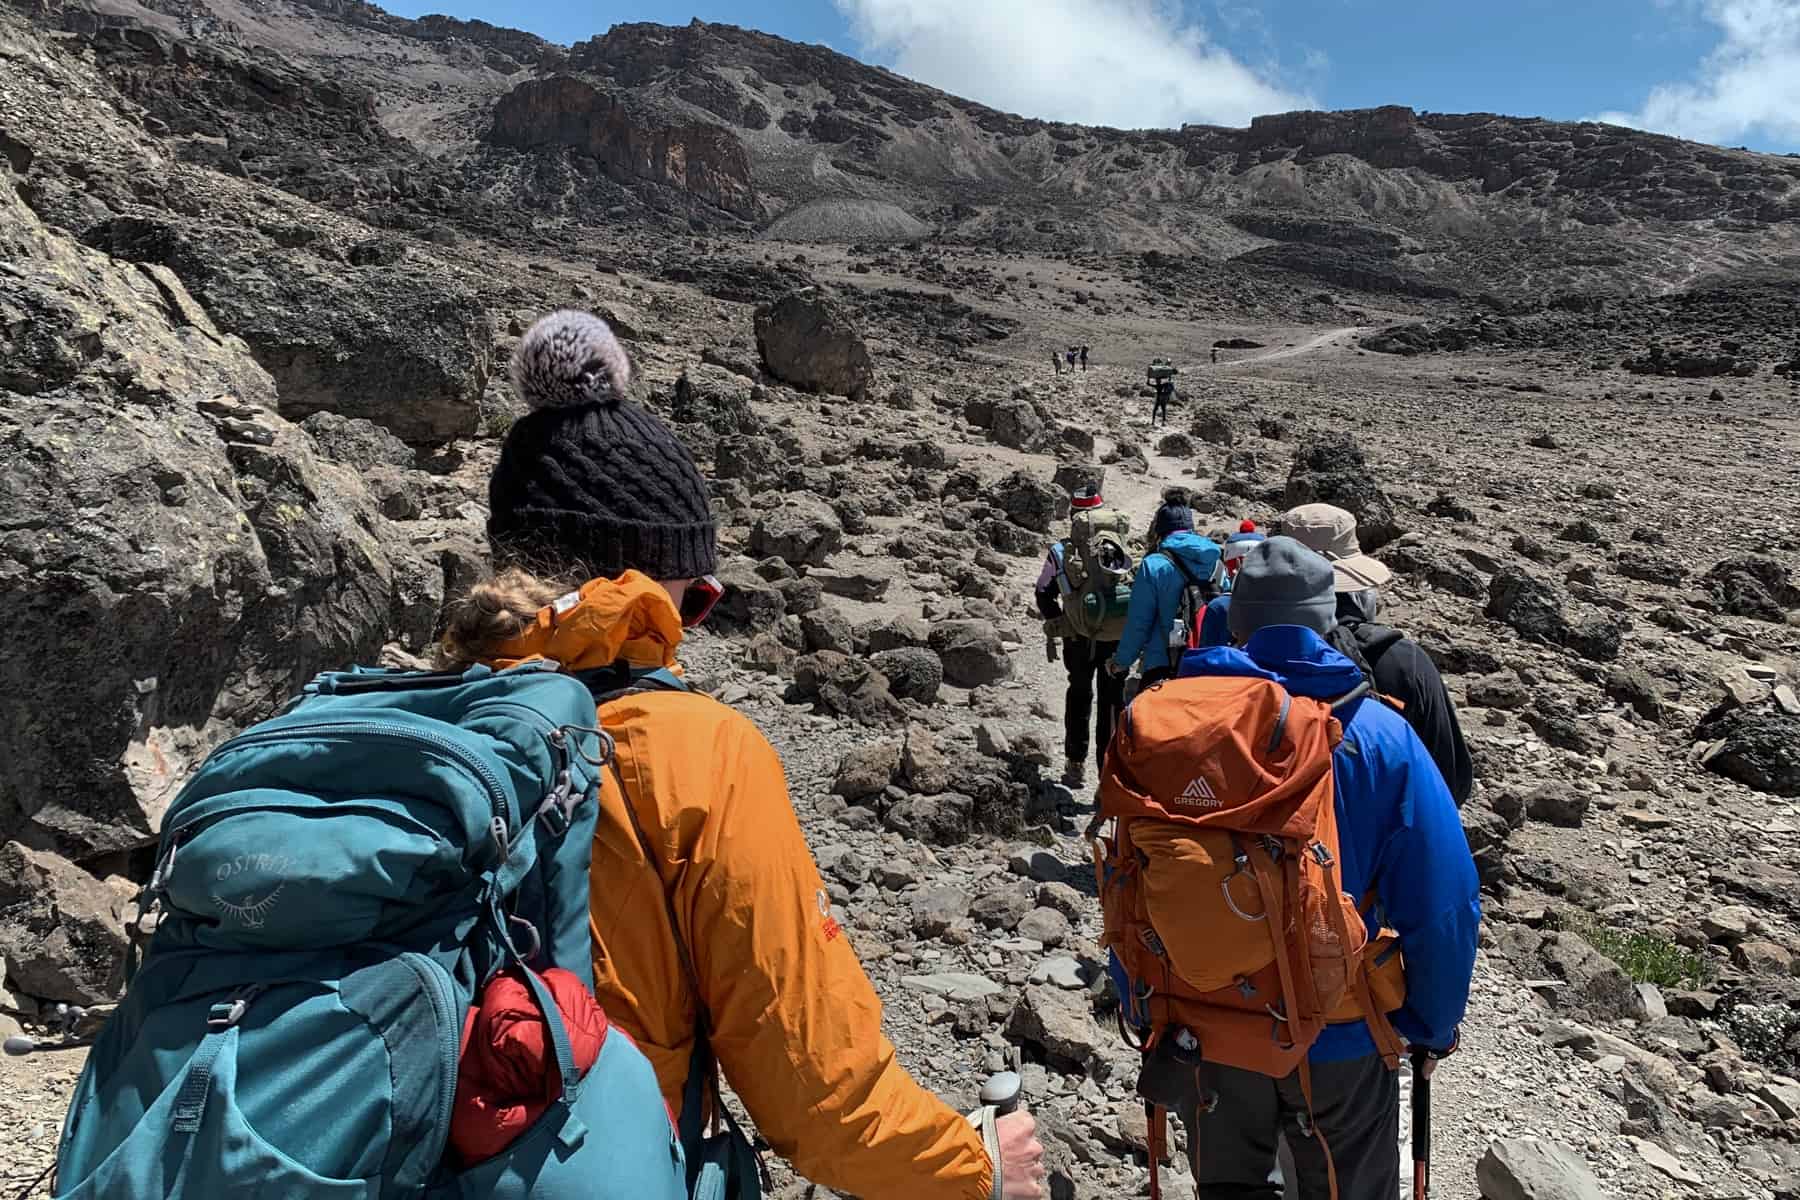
column 262, row 266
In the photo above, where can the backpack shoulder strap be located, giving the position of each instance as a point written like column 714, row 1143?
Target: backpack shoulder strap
column 606, row 684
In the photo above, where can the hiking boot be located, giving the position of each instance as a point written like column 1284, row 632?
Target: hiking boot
column 1074, row 773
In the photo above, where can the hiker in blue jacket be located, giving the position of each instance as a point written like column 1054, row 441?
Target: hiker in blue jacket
column 1181, row 558
column 1400, row 836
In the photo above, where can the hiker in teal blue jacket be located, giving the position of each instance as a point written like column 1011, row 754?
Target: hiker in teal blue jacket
column 1182, row 558
column 1400, row 836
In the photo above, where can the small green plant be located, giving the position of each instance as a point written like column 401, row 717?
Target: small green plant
column 1645, row 957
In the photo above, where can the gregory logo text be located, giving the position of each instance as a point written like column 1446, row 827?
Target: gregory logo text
column 1198, row 794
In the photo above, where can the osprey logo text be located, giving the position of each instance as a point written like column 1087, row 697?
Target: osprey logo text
column 1198, row 794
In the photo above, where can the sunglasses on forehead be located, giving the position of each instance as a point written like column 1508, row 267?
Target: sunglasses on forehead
column 700, row 598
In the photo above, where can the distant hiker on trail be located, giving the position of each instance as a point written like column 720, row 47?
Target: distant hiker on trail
column 1083, row 593
column 1084, row 351
column 713, row 935
column 1215, row 628
column 1161, row 375
column 1174, row 582
column 1055, row 362
column 1071, row 353
column 1216, row 791
column 1215, row 356
column 1396, row 666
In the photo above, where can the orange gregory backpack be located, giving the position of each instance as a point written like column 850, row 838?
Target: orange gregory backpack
column 1224, row 909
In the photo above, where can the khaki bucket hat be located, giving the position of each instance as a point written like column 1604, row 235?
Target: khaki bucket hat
column 1331, row 531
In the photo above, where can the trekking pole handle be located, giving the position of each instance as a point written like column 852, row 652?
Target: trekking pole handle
column 1002, row 1092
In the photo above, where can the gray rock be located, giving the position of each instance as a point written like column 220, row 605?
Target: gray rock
column 866, row 769
column 1528, row 1169
column 913, row 673
column 1017, row 426
column 936, row 909
column 1064, row 899
column 1029, row 502
column 62, row 932
column 828, row 629
column 166, row 582
column 1045, row 925
column 1650, row 1005
column 810, row 341
column 1060, row 1024
column 842, row 863
column 1759, row 747
column 955, row 986
column 1002, row 908
column 945, row 820
column 1212, row 424
column 408, row 346
column 1061, row 972
column 1332, row 469
column 895, row 634
column 972, row 653
column 803, row 531
column 358, row 443
column 1594, row 984
column 923, row 767
column 1558, row 804
column 1040, row 865
column 1730, row 924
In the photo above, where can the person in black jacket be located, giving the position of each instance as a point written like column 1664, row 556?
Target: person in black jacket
column 1396, row 666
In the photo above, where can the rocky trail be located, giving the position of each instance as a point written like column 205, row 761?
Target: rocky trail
column 262, row 269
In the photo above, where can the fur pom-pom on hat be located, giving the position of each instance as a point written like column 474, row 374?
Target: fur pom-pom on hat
column 570, row 358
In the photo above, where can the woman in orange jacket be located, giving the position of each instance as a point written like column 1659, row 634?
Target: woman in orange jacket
column 707, row 910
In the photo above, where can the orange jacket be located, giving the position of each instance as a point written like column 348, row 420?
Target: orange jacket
column 797, row 1025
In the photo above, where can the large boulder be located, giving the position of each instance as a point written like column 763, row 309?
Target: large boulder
column 1533, row 607
column 1752, row 586
column 1759, row 746
column 811, row 342
column 1029, row 502
column 407, row 345
column 913, row 672
column 802, row 532
column 176, row 559
column 1332, row 469
column 972, row 653
column 1529, row 1169
column 1017, row 425
column 62, row 932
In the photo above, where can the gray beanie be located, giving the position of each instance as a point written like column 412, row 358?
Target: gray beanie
column 1281, row 582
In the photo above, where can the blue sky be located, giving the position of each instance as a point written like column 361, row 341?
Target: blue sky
column 1726, row 71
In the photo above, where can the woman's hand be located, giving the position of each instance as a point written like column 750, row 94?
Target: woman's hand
column 1021, row 1164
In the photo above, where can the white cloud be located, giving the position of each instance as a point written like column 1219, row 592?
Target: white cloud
column 1748, row 85
column 1128, row 63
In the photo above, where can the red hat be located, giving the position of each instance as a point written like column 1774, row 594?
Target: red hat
column 1086, row 497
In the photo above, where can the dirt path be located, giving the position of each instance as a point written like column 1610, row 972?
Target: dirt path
column 1328, row 338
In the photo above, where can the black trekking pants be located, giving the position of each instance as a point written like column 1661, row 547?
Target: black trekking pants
column 1160, row 410
column 1356, row 1107
column 1086, row 663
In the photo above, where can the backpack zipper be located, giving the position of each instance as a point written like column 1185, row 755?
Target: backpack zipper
column 449, row 1045
column 499, row 802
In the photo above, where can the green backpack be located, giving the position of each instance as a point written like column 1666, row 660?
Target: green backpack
column 1095, row 564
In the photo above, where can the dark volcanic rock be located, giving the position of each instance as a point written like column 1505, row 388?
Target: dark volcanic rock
column 1332, row 469
column 809, row 341
column 175, row 560
column 406, row 346
column 1752, row 586
column 1761, row 747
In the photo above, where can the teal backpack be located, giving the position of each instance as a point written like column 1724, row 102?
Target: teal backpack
column 334, row 886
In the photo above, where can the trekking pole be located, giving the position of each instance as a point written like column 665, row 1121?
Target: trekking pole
column 1421, row 1126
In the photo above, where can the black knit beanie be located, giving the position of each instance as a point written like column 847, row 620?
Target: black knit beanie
column 590, row 481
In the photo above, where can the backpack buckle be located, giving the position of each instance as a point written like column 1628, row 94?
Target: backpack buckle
column 223, row 1016
column 557, row 812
